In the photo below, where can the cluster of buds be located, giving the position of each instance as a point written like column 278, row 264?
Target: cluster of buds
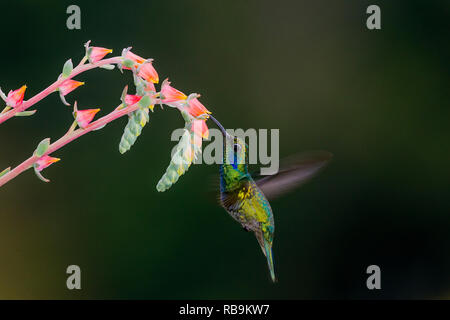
column 136, row 106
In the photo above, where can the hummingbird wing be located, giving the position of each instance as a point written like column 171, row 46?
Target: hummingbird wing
column 293, row 172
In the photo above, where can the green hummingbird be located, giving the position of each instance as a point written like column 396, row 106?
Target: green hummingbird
column 244, row 198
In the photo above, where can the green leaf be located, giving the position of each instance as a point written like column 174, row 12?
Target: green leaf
column 25, row 113
column 67, row 69
column 42, row 147
column 108, row 66
column 5, row 171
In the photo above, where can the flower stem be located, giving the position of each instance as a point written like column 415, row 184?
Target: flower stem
column 6, row 109
column 67, row 138
column 76, row 71
column 72, row 127
column 82, row 61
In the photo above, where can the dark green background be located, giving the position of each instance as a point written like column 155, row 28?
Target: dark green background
column 378, row 100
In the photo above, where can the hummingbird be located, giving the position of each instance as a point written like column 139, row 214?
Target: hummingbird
column 244, row 197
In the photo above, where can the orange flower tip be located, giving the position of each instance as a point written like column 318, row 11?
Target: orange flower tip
column 84, row 117
column 45, row 161
column 69, row 85
column 15, row 98
column 97, row 53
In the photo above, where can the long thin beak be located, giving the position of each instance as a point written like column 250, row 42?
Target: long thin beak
column 224, row 132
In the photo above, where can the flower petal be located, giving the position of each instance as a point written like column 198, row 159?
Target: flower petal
column 44, row 162
column 171, row 94
column 150, row 86
column 130, row 55
column 68, row 86
column 200, row 128
column 84, row 117
column 148, row 72
column 196, row 108
column 131, row 99
column 97, row 53
column 15, row 98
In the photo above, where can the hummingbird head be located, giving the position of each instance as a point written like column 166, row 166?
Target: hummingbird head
column 235, row 155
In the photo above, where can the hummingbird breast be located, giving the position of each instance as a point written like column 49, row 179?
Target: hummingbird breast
column 247, row 205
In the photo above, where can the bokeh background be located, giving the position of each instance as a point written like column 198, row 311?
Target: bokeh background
column 378, row 100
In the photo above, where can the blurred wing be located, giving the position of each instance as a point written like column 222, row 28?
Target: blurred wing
column 294, row 171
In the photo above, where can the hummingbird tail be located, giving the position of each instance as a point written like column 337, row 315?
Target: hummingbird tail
column 268, row 253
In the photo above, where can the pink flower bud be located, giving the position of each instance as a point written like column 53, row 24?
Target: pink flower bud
column 44, row 162
column 97, row 53
column 84, row 117
column 15, row 98
column 68, row 86
column 150, row 86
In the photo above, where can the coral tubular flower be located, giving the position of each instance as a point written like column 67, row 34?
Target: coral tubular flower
column 44, row 162
column 130, row 55
column 170, row 94
column 15, row 98
column 97, row 53
column 68, row 86
column 135, row 58
column 200, row 128
column 145, row 67
column 131, row 99
column 196, row 108
column 84, row 117
column 148, row 72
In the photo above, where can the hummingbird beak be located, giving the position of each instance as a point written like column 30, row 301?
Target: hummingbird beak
column 224, row 132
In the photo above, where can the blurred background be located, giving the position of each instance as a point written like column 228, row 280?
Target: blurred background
column 378, row 100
